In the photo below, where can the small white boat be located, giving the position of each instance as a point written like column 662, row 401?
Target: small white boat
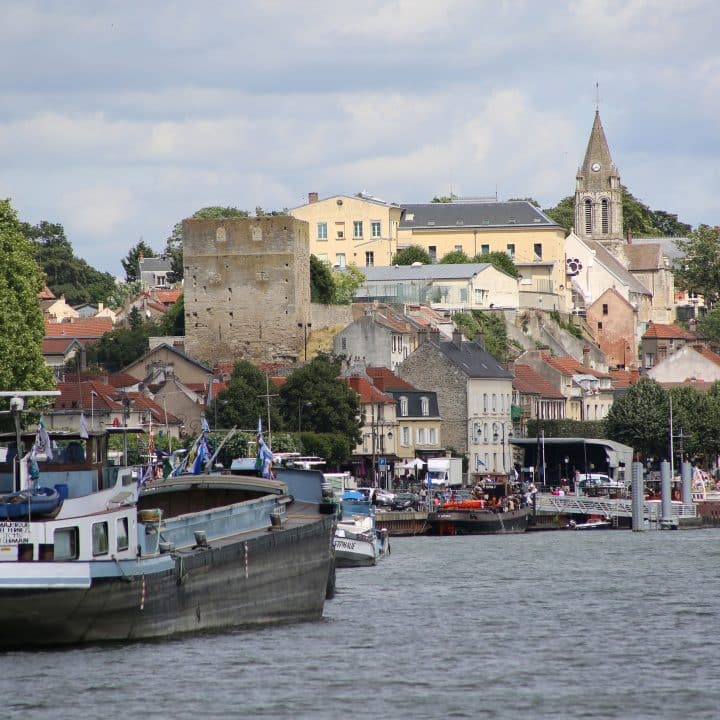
column 357, row 540
column 590, row 525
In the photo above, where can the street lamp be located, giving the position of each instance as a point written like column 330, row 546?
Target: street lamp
column 302, row 405
column 497, row 437
column 305, row 327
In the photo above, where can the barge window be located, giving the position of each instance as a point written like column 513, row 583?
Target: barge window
column 121, row 533
column 66, row 544
column 100, row 538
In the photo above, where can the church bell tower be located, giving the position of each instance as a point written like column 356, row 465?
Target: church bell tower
column 598, row 195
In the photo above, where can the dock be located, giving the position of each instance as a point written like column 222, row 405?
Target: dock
column 399, row 524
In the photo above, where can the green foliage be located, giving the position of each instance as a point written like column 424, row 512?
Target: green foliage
column 22, row 366
column 122, row 292
column 243, row 402
column 173, row 322
column 563, row 213
column 499, row 259
column 567, row 428
column 335, row 448
column 455, row 257
column 709, row 325
column 640, row 419
column 699, row 268
column 334, row 406
column 439, row 199
column 346, row 282
column 64, row 273
column 491, row 325
column 131, row 262
column 322, row 286
column 566, row 324
column 121, row 346
column 410, row 255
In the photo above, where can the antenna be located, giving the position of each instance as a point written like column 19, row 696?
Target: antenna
column 597, row 96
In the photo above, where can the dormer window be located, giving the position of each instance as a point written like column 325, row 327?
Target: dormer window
column 424, row 406
column 403, row 406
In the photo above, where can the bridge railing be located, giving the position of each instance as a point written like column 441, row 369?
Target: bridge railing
column 582, row 505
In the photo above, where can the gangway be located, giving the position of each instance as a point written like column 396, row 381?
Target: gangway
column 607, row 507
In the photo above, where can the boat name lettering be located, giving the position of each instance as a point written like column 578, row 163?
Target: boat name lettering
column 345, row 544
column 13, row 532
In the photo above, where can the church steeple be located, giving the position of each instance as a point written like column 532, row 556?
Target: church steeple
column 598, row 195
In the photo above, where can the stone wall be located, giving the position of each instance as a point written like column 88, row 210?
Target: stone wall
column 428, row 369
column 247, row 288
column 329, row 316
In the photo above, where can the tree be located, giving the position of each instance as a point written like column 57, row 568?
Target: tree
column 322, row 286
column 454, row 257
column 492, row 327
column 243, row 402
column 173, row 321
column 119, row 347
column 66, row 274
column 333, row 405
column 22, row 366
column 346, row 282
column 709, row 324
column 499, row 259
column 410, row 255
column 563, row 213
column 640, row 419
column 131, row 262
column 698, row 270
column 443, row 199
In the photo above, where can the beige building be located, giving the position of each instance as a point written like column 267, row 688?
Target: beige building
column 345, row 230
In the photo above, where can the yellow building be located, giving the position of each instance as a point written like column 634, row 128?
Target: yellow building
column 346, row 230
column 517, row 227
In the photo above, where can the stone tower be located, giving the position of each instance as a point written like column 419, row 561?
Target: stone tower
column 598, row 195
column 247, row 288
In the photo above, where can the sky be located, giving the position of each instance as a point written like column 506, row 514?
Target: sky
column 119, row 119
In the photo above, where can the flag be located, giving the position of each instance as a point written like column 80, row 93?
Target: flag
column 200, row 456
column 204, row 427
column 83, row 427
column 42, row 441
column 210, row 395
column 264, row 459
column 167, row 467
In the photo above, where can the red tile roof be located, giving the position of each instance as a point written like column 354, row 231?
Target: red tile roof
column 667, row 332
column 706, row 353
column 56, row 346
column 168, row 297
column 568, row 365
column 624, row 378
column 77, row 395
column 82, row 328
column 367, row 391
column 122, row 380
column 385, row 379
column 527, row 381
column 46, row 294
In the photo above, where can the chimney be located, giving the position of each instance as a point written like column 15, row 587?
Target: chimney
column 480, row 340
column 586, row 356
column 101, row 306
column 629, row 236
column 457, row 337
column 312, row 197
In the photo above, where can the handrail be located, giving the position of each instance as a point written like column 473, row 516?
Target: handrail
column 583, row 505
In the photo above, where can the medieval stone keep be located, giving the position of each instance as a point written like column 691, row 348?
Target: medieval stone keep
column 247, row 288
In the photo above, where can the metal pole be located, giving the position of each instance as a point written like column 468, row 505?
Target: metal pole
column 686, row 472
column 672, row 457
column 666, row 519
column 92, row 409
column 637, row 496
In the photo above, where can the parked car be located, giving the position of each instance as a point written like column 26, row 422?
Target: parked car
column 406, row 501
column 383, row 498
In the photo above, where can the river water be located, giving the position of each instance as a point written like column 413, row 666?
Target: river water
column 610, row 624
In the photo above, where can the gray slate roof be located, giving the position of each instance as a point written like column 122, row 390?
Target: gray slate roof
column 414, row 407
column 438, row 271
column 668, row 245
column 473, row 360
column 460, row 215
column 153, row 264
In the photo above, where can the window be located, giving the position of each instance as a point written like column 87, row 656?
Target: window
column 424, row 406
column 340, row 230
column 511, row 249
column 463, row 295
column 537, row 251
column 322, row 257
column 432, row 436
column 588, row 216
column 494, row 402
column 343, row 343
column 357, row 228
column 100, row 538
column 605, row 309
column 421, row 436
column 458, row 248
column 432, row 252
column 375, row 229
column 403, row 406
column 322, row 231
column 369, row 258
column 485, row 405
column 340, row 260
column 406, row 436
column 66, row 544
column 599, row 326
column 484, row 249
column 605, row 211
column 121, row 534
